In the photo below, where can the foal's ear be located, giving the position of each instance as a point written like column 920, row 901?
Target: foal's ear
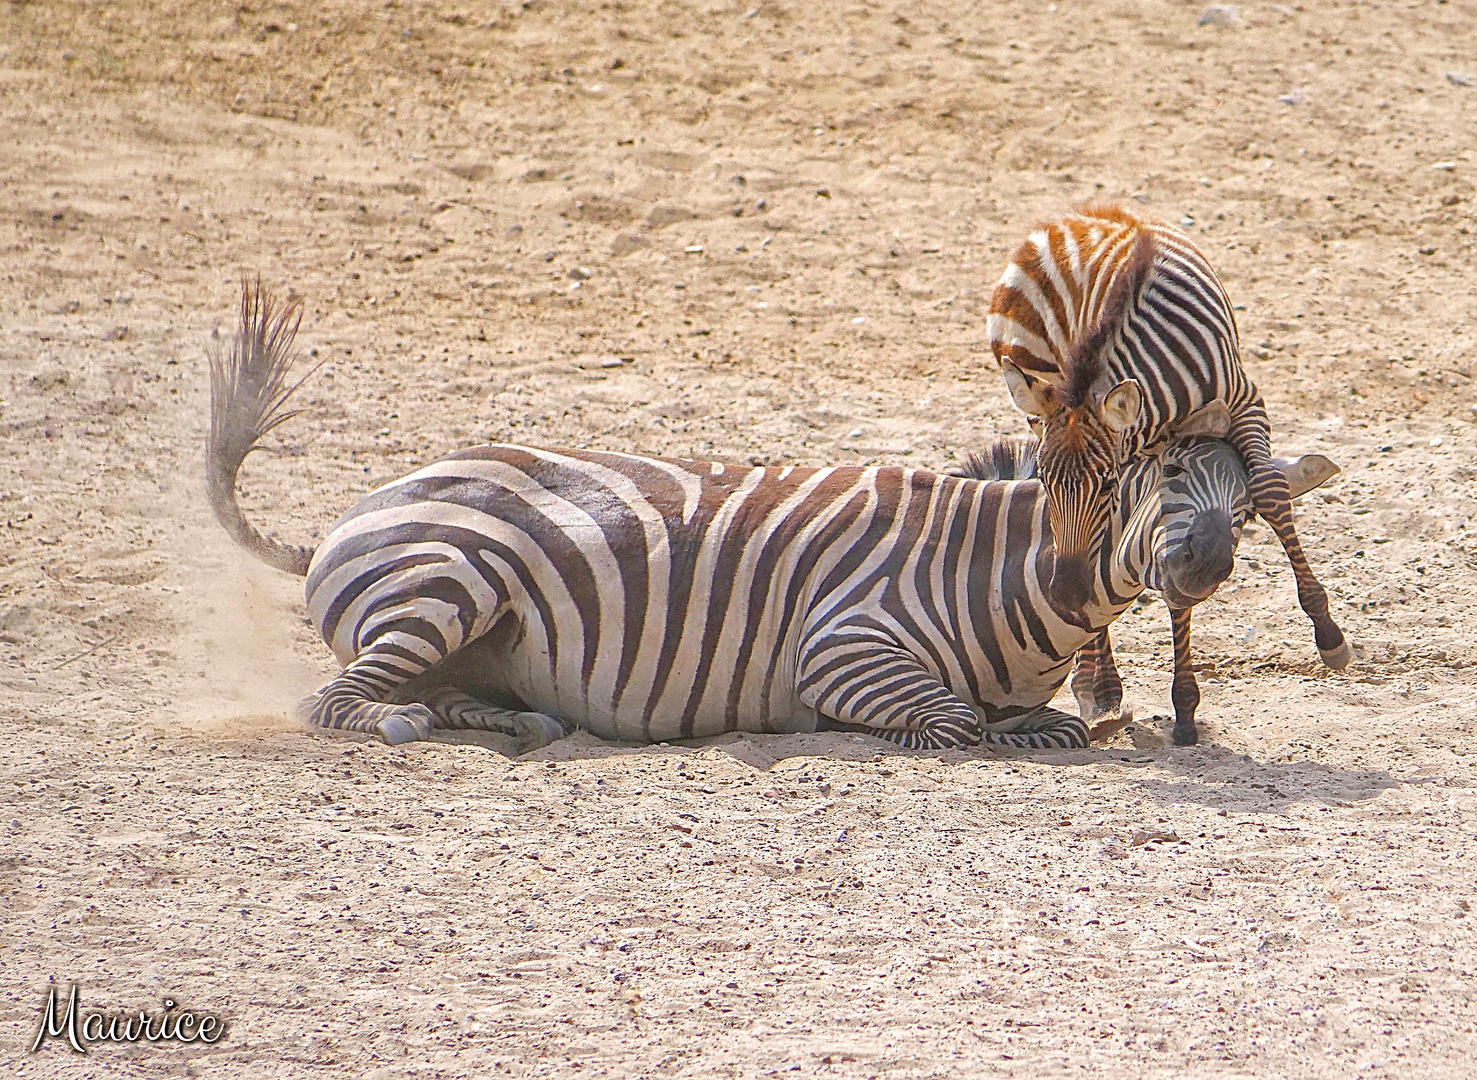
column 1032, row 394
column 1306, row 473
column 1122, row 405
column 1212, row 419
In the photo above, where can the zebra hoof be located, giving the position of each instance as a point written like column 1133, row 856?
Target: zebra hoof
column 536, row 730
column 413, row 725
column 1337, row 657
column 1184, row 735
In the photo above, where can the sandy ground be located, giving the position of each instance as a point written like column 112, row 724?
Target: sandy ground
column 755, row 231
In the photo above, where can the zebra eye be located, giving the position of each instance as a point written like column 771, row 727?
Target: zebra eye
column 1172, row 470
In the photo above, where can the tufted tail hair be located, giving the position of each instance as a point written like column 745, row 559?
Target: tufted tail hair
column 249, row 388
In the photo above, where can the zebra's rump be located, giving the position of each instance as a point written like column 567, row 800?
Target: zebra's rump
column 648, row 599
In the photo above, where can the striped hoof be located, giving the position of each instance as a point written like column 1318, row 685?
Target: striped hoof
column 1338, row 657
column 412, row 724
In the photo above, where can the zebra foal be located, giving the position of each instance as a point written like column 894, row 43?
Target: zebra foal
column 529, row 591
column 1110, row 329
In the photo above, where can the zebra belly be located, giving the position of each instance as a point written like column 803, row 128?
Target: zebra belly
column 629, row 721
column 502, row 668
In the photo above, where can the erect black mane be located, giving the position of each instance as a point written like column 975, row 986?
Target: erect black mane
column 1087, row 359
column 1004, row 459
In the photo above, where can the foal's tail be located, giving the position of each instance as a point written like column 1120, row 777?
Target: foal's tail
column 249, row 389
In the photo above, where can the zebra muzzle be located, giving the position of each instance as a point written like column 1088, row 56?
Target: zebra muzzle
column 1071, row 583
column 1203, row 559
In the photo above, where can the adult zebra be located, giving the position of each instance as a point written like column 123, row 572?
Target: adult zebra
column 1110, row 328
column 528, row 591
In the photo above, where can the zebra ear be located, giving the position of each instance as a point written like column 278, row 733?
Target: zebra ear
column 1032, row 395
column 1306, row 473
column 1213, row 419
column 1122, row 405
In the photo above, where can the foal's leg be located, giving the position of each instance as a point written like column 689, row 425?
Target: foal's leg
column 1250, row 435
column 1185, row 692
column 1107, row 687
column 1095, row 683
column 1084, row 675
column 1099, row 691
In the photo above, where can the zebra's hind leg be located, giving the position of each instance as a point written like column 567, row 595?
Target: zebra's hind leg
column 1038, row 728
column 1272, row 498
column 1082, row 679
column 457, row 710
column 356, row 699
column 1276, row 510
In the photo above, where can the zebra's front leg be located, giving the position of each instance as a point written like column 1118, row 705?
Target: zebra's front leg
column 1036, row 727
column 1185, row 691
column 1083, row 677
column 1095, row 682
column 882, row 689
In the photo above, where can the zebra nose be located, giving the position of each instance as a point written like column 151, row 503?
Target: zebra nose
column 1071, row 583
column 1206, row 556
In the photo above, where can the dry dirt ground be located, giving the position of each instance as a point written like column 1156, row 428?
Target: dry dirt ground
column 763, row 230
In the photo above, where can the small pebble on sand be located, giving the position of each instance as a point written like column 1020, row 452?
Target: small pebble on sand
column 1218, row 15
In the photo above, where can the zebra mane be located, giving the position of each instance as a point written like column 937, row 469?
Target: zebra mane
column 1004, row 459
column 1086, row 361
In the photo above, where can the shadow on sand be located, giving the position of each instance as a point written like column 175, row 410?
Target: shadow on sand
column 1204, row 775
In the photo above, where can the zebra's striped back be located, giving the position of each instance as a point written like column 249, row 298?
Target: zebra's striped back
column 1178, row 342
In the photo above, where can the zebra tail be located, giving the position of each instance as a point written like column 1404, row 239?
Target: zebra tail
column 249, row 389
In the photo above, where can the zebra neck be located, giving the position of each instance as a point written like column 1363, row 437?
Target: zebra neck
column 1128, row 549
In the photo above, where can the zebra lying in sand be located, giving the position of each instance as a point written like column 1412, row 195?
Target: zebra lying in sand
column 529, row 592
